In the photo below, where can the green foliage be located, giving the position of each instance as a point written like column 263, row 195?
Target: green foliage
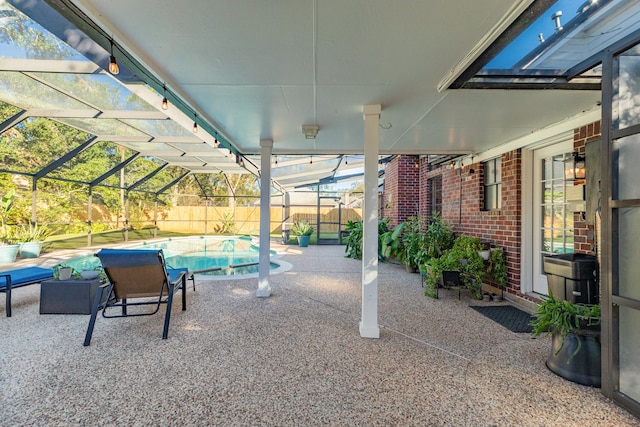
column 353, row 240
column 32, row 233
column 462, row 257
column 439, row 236
column 555, row 316
column 301, row 228
column 413, row 242
column 227, row 225
column 391, row 241
column 498, row 267
column 6, row 204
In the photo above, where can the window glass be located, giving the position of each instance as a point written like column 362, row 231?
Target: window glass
column 493, row 184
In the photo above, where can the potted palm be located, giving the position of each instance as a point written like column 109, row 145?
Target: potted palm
column 31, row 240
column 303, row 230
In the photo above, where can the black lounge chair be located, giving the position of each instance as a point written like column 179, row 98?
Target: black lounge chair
column 22, row 277
column 140, row 275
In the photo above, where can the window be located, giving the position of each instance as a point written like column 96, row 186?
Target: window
column 435, row 196
column 493, row 184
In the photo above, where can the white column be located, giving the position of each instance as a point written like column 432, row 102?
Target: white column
column 369, row 323
column 264, row 290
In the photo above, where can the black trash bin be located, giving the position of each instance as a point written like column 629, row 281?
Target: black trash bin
column 573, row 277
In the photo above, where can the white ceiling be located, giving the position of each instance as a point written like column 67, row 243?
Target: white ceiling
column 260, row 69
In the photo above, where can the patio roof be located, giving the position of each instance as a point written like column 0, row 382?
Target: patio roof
column 247, row 72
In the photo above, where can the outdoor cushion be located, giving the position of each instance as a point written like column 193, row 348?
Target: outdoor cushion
column 21, row 277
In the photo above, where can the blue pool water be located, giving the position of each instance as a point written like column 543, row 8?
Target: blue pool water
column 197, row 253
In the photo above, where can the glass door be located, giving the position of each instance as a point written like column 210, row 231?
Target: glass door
column 553, row 221
column 329, row 218
column 621, row 221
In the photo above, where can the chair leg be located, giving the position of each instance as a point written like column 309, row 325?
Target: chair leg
column 167, row 316
column 8, row 299
column 94, row 314
column 184, row 292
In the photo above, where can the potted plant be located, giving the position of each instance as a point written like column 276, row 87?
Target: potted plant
column 439, row 236
column 8, row 246
column 575, row 329
column 460, row 263
column 31, row 240
column 63, row 272
column 303, row 230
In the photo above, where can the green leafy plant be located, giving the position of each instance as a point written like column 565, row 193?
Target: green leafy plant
column 301, row 228
column 462, row 257
column 32, row 233
column 391, row 241
column 6, row 203
column 227, row 226
column 439, row 236
column 498, row 267
column 353, row 240
column 413, row 242
column 556, row 316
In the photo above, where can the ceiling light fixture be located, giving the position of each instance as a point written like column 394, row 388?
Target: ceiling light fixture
column 113, row 65
column 165, row 101
column 310, row 131
column 311, row 160
column 195, row 124
column 276, row 163
column 346, row 161
column 216, row 143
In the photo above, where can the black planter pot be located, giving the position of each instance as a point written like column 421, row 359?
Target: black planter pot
column 582, row 366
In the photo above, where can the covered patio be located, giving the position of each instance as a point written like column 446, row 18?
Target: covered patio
column 291, row 359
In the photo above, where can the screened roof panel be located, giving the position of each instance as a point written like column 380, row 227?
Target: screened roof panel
column 161, row 179
column 25, row 92
column 100, row 90
column 148, row 147
column 91, row 163
column 160, row 127
column 22, row 142
column 110, row 127
column 568, row 33
column 48, row 46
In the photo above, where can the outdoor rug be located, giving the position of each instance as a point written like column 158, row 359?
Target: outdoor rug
column 508, row 316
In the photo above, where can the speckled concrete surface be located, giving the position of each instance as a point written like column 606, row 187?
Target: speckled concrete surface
column 293, row 359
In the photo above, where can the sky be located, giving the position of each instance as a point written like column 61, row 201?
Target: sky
column 528, row 40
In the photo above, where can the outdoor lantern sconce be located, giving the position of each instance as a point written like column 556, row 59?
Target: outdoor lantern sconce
column 574, row 169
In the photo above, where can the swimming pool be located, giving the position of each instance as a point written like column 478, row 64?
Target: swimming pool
column 198, row 253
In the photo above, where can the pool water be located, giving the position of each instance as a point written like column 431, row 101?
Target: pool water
column 197, row 253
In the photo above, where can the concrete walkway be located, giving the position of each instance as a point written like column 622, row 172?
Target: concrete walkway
column 293, row 359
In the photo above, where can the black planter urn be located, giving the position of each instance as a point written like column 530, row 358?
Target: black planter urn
column 577, row 357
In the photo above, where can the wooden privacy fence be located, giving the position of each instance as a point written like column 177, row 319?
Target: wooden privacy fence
column 246, row 219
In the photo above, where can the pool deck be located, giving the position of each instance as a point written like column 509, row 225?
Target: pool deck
column 293, row 359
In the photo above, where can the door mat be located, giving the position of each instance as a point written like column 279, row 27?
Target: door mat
column 508, row 316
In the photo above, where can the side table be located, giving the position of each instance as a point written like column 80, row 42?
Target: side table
column 74, row 296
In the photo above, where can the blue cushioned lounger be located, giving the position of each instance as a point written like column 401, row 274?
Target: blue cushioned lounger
column 22, row 277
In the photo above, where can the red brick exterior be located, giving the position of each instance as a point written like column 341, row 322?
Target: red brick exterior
column 583, row 233
column 463, row 202
column 407, row 191
column 401, row 189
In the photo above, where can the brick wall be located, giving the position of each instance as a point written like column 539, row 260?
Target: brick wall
column 401, row 195
column 463, row 202
column 584, row 233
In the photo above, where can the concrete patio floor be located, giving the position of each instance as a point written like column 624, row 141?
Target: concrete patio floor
column 293, row 359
